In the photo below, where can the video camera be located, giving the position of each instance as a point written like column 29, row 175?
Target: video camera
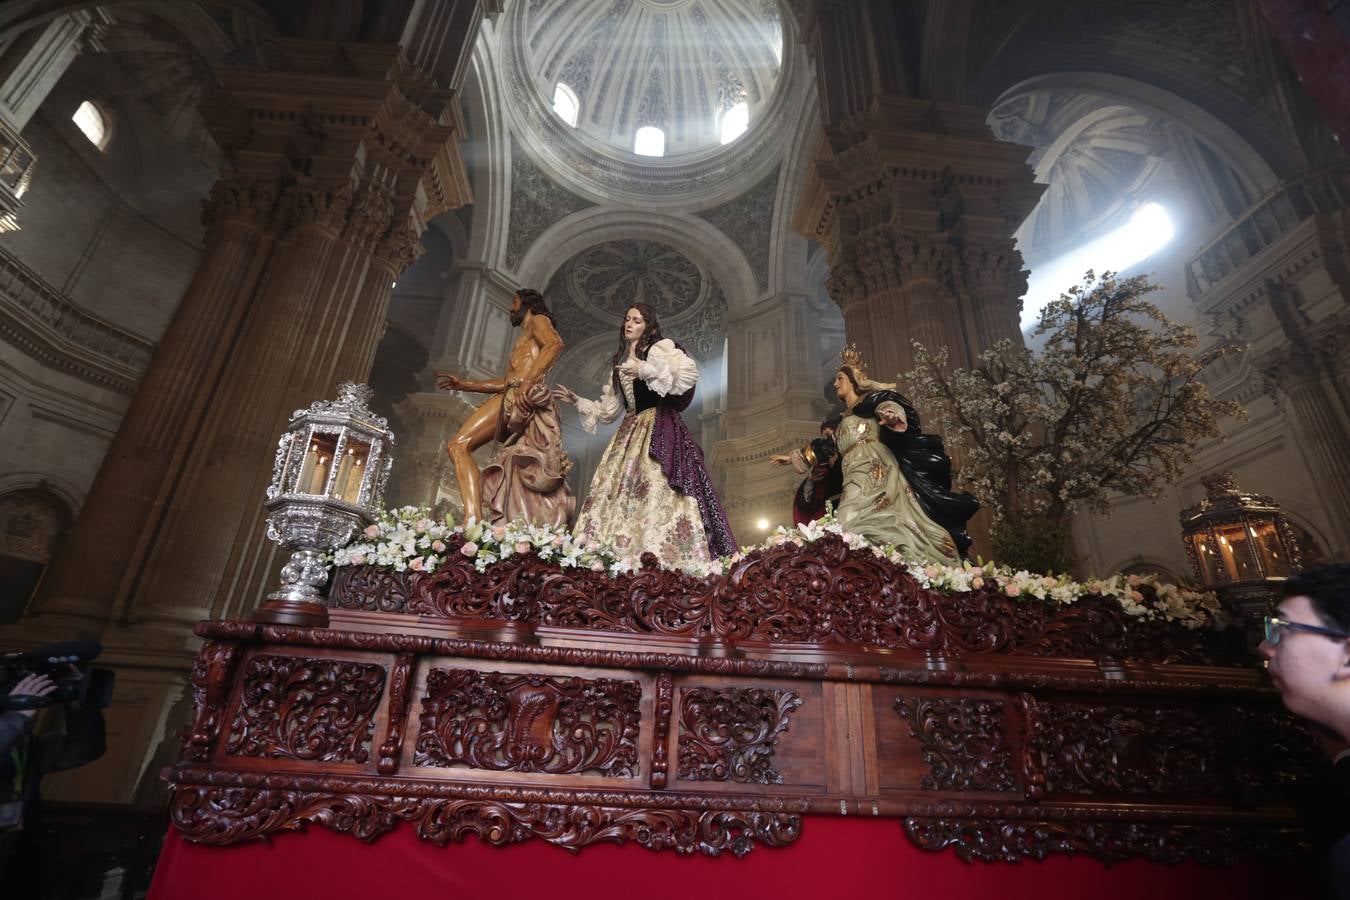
column 62, row 662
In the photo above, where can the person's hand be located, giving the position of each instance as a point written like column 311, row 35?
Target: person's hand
column 781, row 459
column 33, row 685
column 629, row 367
column 565, row 394
column 893, row 420
column 448, row 381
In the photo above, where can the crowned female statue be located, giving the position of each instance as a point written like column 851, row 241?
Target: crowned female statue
column 897, row 481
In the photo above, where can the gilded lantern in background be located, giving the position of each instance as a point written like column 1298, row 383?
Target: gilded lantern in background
column 328, row 481
column 1240, row 545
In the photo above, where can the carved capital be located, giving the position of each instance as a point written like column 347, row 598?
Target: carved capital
column 369, row 217
column 251, row 202
column 400, row 247
column 322, row 206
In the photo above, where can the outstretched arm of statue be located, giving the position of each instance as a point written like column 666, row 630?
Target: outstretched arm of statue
column 892, row 415
column 606, row 409
column 449, row 381
column 794, row 459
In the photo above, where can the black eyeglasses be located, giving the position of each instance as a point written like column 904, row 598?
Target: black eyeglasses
column 1275, row 625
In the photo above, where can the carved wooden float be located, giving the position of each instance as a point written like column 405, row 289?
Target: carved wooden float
column 710, row 714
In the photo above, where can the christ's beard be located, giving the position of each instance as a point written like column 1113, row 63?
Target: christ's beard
column 517, row 316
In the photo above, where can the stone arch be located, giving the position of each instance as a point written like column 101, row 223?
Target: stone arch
column 702, row 242
column 1258, row 155
column 34, row 519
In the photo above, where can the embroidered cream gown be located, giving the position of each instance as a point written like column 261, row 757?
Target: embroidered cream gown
column 630, row 504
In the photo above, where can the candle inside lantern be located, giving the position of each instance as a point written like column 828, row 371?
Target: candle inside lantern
column 351, row 471
column 318, row 462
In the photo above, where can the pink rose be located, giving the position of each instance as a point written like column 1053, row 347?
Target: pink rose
column 438, row 546
column 416, row 565
column 469, row 548
column 372, row 531
column 976, row 583
column 1048, row 581
column 558, row 540
column 930, row 571
column 499, row 532
column 359, row 559
column 522, row 546
column 597, row 566
column 1011, row 590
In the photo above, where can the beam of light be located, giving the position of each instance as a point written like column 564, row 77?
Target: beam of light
column 762, row 524
column 1148, row 231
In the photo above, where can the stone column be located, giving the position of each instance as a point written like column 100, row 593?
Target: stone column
column 991, row 282
column 100, row 560
column 1318, row 421
column 903, row 186
column 358, row 162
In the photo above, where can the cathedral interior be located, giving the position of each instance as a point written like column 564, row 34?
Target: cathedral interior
column 199, row 235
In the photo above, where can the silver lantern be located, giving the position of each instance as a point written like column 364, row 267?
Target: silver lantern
column 327, row 483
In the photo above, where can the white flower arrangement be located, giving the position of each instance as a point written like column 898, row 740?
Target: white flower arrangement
column 401, row 539
column 409, row 539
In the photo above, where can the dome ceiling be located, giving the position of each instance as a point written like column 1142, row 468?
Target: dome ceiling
column 1095, row 156
column 676, row 65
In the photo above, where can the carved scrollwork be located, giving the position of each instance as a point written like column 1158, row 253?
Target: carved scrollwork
column 664, row 709
column 1012, row 840
column 211, row 676
column 316, row 710
column 1101, row 748
column 227, row 815
column 729, row 734
column 824, row 594
column 963, row 740
column 529, row 723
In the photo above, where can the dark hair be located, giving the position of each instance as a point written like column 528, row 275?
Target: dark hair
column 533, row 301
column 1328, row 587
column 651, row 332
column 832, row 422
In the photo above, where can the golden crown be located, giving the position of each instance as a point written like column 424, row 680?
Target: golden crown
column 850, row 357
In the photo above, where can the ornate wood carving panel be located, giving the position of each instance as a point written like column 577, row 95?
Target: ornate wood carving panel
column 529, row 723
column 316, row 710
column 1104, row 748
column 964, row 742
column 729, row 734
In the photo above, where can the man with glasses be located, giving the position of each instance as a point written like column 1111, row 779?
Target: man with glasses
column 1307, row 652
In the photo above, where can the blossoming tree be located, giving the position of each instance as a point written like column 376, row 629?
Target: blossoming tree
column 1114, row 404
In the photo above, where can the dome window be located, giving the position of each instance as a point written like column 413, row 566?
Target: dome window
column 733, row 122
column 566, row 104
column 649, row 142
column 91, row 120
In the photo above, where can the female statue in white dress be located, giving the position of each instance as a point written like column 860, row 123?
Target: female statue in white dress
column 651, row 491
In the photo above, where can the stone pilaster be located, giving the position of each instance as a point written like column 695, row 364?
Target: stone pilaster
column 1302, row 383
column 354, row 149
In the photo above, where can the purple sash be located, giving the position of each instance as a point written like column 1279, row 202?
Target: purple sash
column 681, row 460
